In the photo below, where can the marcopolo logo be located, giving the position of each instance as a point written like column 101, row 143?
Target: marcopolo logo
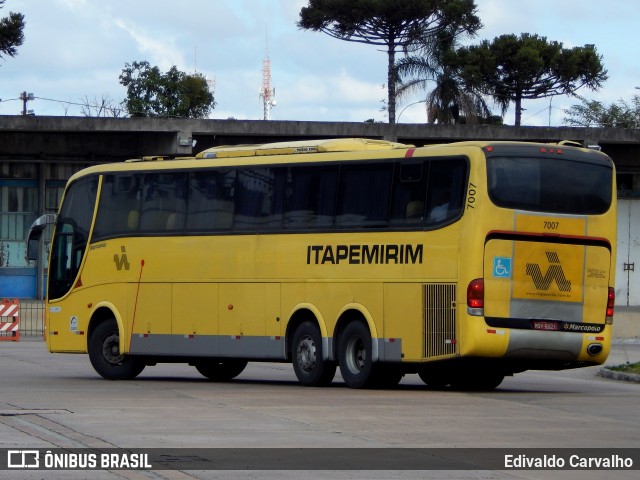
column 121, row 260
column 554, row 272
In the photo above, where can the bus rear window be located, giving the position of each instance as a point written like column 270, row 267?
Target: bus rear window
column 550, row 185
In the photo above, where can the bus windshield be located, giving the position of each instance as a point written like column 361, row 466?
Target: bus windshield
column 72, row 235
column 550, row 185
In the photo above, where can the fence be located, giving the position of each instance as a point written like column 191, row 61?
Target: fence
column 31, row 318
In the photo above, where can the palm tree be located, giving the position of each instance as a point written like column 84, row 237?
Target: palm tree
column 451, row 100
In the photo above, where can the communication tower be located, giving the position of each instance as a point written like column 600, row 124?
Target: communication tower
column 267, row 94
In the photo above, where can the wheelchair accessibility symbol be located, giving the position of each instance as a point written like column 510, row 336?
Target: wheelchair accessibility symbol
column 502, row 267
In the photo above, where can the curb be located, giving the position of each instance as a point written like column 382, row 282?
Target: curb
column 615, row 375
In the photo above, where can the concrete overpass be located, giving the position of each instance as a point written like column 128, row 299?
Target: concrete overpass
column 89, row 139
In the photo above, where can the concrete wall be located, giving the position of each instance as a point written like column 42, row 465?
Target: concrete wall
column 626, row 323
column 111, row 139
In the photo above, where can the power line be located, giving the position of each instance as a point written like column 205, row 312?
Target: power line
column 92, row 105
column 24, row 97
column 545, row 109
column 89, row 105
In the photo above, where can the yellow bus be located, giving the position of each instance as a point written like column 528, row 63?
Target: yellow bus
column 461, row 262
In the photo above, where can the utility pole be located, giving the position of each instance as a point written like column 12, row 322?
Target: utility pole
column 26, row 97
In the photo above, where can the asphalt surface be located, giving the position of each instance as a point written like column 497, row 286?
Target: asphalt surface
column 58, row 401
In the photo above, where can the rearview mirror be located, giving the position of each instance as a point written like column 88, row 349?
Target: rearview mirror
column 35, row 232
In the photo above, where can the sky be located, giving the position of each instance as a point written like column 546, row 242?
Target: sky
column 75, row 50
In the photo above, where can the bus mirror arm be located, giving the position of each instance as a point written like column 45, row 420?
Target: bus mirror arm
column 35, row 232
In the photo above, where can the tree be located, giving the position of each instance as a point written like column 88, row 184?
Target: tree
column 512, row 69
column 11, row 32
column 592, row 113
column 103, row 107
column 171, row 94
column 394, row 24
column 451, row 100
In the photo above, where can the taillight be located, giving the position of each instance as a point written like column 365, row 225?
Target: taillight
column 551, row 150
column 611, row 301
column 475, row 297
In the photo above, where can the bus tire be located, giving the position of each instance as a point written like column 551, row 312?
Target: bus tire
column 355, row 356
column 105, row 356
column 221, row 370
column 308, row 363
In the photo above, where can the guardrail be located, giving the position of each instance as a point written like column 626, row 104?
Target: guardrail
column 31, row 318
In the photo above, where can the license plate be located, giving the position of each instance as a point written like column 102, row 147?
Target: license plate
column 542, row 325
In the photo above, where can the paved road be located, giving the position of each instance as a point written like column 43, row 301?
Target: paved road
column 49, row 401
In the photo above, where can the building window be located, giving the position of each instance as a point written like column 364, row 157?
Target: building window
column 18, row 208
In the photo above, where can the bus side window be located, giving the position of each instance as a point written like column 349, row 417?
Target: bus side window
column 211, row 197
column 310, row 197
column 446, row 190
column 409, row 194
column 364, row 195
column 415, row 211
column 133, row 220
column 163, row 202
column 259, row 198
column 118, row 211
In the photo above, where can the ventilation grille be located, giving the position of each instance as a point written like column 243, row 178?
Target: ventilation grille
column 439, row 300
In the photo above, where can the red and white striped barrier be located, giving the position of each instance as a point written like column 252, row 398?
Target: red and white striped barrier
column 9, row 319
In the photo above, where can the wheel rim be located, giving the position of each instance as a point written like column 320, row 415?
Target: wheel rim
column 111, row 349
column 306, row 354
column 356, row 354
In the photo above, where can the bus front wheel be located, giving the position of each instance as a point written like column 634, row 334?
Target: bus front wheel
column 105, row 356
column 308, row 363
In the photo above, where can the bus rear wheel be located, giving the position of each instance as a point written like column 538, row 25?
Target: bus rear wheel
column 355, row 356
column 221, row 370
column 308, row 363
column 105, row 356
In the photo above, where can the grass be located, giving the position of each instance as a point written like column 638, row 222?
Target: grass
column 627, row 368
